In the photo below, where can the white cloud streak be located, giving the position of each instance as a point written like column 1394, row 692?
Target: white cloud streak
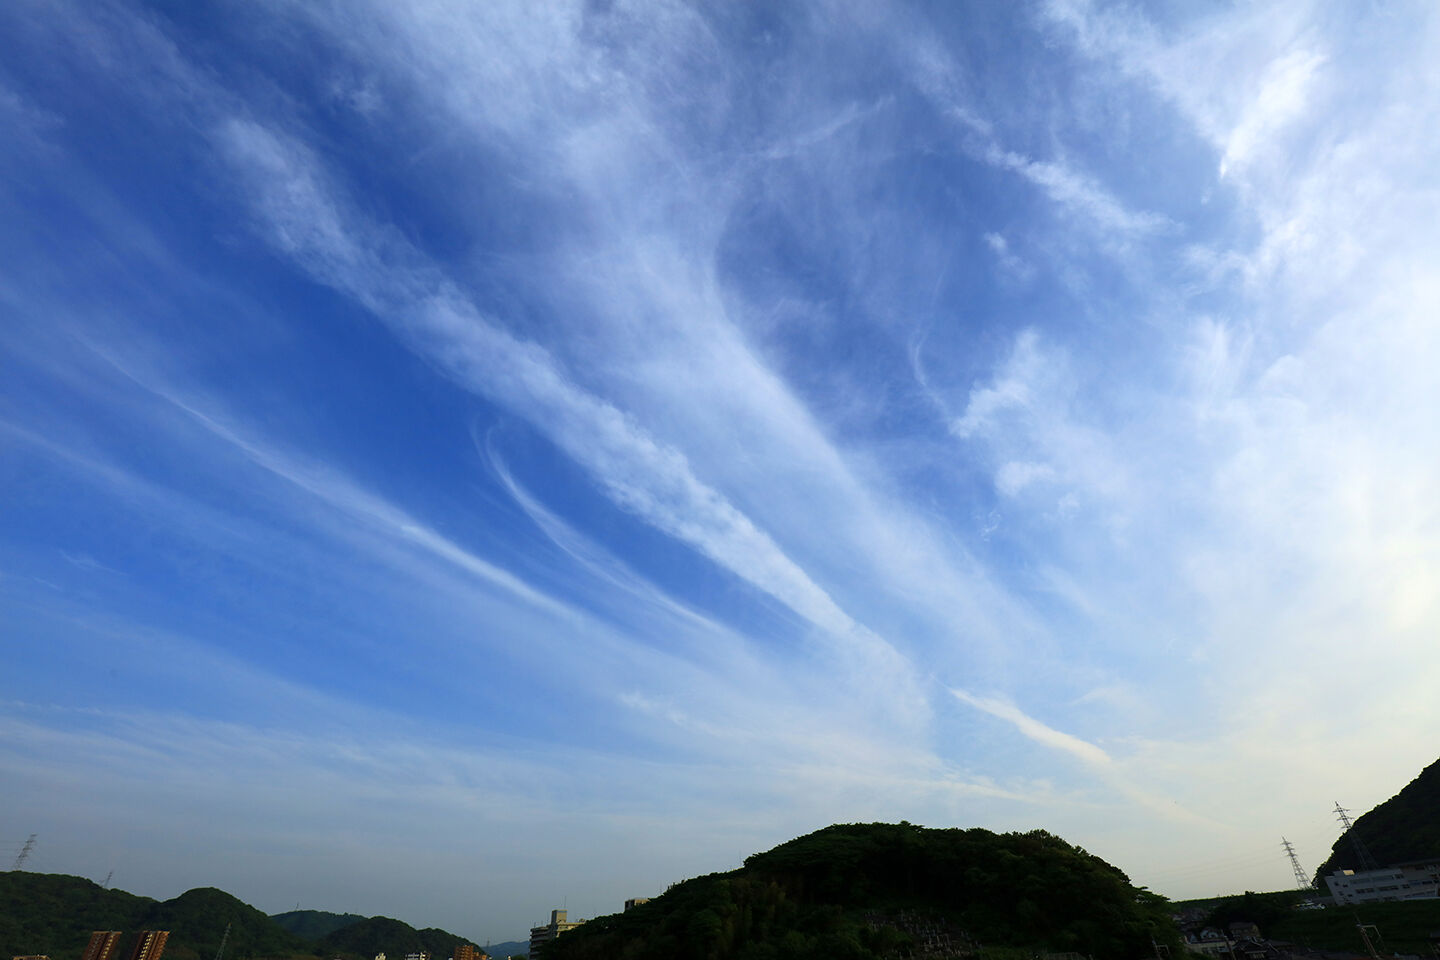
column 1077, row 193
column 1044, row 735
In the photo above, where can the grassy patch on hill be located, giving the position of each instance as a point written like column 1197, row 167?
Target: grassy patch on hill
column 1404, row 927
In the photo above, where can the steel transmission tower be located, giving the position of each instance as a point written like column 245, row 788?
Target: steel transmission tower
column 24, row 853
column 1367, row 862
column 1300, row 879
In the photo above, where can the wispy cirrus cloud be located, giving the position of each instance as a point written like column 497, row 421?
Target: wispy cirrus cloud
column 1075, row 192
column 842, row 358
column 643, row 292
column 1035, row 730
column 306, row 219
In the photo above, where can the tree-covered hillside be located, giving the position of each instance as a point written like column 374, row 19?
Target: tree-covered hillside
column 54, row 914
column 1402, row 927
column 314, row 924
column 879, row 890
column 1405, row 827
column 1265, row 910
column 393, row 938
column 197, row 920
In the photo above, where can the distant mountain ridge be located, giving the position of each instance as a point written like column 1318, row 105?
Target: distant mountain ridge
column 54, row 914
column 376, row 935
column 314, row 924
column 1405, row 827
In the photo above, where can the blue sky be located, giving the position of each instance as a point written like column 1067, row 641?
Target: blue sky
column 460, row 460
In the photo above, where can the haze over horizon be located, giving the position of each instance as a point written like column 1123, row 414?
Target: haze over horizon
column 464, row 459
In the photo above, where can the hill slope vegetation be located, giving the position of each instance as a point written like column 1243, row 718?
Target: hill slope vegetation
column 878, row 890
column 53, row 914
column 314, row 924
column 1405, row 827
column 393, row 938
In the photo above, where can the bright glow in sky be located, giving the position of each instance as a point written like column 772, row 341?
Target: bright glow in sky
column 462, row 459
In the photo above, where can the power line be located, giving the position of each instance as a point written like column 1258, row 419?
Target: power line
column 1222, row 863
column 24, row 853
column 1200, row 871
column 1301, row 880
column 1367, row 862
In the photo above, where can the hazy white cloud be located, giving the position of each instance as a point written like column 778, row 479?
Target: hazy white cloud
column 1282, row 99
column 1013, row 390
column 1025, row 419
column 1012, row 263
column 1076, row 193
column 1279, row 436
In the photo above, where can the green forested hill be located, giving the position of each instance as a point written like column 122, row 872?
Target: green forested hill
column 1402, row 927
column 1405, row 827
column 197, row 919
column 873, row 890
column 54, row 914
column 314, row 924
column 366, row 938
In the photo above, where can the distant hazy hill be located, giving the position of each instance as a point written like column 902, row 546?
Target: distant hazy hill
column 366, row 938
column 314, row 924
column 872, row 890
column 509, row 948
column 54, row 914
column 1405, row 827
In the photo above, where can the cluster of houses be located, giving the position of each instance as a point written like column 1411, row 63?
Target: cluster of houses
column 1238, row 941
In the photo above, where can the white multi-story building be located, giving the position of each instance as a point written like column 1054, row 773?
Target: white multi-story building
column 1406, row 881
column 539, row 936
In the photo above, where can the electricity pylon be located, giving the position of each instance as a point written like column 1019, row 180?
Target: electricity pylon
column 24, row 853
column 1300, row 879
column 1367, row 862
